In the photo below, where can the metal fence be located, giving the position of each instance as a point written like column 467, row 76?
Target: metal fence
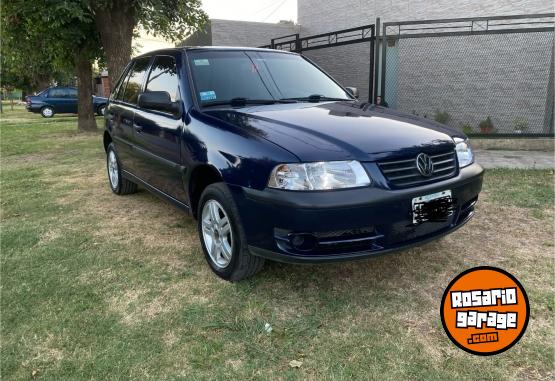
column 339, row 53
column 485, row 75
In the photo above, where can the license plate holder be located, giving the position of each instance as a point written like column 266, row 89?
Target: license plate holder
column 434, row 207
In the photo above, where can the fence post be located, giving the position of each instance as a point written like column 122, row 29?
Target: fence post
column 376, row 59
column 384, row 62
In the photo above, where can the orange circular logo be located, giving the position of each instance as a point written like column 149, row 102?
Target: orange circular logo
column 485, row 310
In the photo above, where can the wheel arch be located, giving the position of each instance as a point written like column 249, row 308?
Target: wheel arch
column 201, row 176
column 106, row 140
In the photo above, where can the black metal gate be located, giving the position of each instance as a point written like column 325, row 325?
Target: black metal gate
column 483, row 75
column 348, row 46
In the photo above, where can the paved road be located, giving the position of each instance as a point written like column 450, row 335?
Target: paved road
column 515, row 159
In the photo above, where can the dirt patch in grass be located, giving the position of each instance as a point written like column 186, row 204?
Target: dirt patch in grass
column 45, row 351
column 139, row 305
column 15, row 161
column 140, row 216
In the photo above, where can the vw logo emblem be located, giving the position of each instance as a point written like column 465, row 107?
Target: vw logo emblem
column 425, row 165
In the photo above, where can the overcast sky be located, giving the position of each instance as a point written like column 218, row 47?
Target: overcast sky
column 251, row 10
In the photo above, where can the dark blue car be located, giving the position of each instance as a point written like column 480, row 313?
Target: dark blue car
column 277, row 161
column 60, row 100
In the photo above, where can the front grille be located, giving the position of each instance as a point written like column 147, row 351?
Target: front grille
column 403, row 173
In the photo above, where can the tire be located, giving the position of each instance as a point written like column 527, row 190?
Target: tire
column 100, row 110
column 47, row 112
column 119, row 184
column 241, row 263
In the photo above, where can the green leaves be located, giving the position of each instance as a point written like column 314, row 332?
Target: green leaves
column 172, row 20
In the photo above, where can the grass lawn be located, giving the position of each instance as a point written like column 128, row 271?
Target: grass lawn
column 96, row 286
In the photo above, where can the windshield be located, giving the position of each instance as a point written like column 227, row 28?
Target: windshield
column 221, row 76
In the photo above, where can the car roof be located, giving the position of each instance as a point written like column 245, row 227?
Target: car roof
column 210, row 48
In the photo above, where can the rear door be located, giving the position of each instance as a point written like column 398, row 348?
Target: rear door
column 71, row 102
column 121, row 112
column 57, row 98
column 157, row 134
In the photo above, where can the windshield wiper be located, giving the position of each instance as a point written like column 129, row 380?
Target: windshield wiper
column 316, row 98
column 240, row 102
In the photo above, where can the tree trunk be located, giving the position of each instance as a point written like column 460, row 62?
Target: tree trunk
column 115, row 24
column 85, row 109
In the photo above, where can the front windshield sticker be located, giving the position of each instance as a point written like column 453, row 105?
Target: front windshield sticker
column 207, row 95
column 202, row 62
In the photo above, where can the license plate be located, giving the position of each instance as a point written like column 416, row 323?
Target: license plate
column 435, row 207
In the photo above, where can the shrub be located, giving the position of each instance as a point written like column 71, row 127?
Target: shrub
column 520, row 124
column 442, row 116
column 467, row 128
column 486, row 126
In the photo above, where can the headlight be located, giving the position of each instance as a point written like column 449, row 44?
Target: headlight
column 319, row 176
column 464, row 152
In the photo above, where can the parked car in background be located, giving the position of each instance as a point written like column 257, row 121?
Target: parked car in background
column 278, row 161
column 60, row 100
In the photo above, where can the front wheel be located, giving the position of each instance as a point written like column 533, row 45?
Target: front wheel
column 222, row 237
column 119, row 184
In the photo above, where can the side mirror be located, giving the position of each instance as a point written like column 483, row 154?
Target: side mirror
column 353, row 91
column 159, row 101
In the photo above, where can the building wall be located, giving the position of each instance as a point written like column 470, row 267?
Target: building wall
column 246, row 33
column 460, row 75
column 145, row 43
column 316, row 16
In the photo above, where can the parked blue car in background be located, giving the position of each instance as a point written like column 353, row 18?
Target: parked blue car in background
column 60, row 100
column 277, row 161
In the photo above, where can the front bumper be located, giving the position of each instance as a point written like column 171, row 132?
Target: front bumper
column 348, row 224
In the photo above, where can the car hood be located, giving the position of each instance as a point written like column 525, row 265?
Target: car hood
column 341, row 130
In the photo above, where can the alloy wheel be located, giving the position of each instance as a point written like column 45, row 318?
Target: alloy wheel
column 217, row 233
column 113, row 169
column 47, row 112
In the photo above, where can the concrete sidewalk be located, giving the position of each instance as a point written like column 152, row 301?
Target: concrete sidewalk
column 515, row 159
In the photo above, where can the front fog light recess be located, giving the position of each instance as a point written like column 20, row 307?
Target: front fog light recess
column 319, row 176
column 465, row 155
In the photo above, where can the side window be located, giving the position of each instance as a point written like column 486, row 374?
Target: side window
column 118, row 89
column 56, row 93
column 121, row 86
column 136, row 75
column 163, row 77
column 72, row 93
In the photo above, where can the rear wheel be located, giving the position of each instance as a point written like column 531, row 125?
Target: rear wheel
column 119, row 184
column 47, row 112
column 100, row 110
column 222, row 237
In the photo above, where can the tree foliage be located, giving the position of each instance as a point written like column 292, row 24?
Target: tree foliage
column 43, row 37
column 52, row 35
column 118, row 20
column 40, row 39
